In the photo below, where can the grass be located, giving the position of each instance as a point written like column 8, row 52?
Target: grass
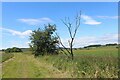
column 93, row 63
column 26, row 66
column 5, row 56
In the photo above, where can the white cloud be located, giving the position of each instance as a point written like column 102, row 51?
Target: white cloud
column 108, row 17
column 22, row 45
column 89, row 40
column 19, row 44
column 89, row 20
column 18, row 33
column 38, row 21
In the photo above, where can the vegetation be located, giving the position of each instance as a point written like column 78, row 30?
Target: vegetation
column 94, row 63
column 72, row 34
column 43, row 41
column 14, row 49
column 112, row 44
column 5, row 56
column 93, row 46
column 99, row 45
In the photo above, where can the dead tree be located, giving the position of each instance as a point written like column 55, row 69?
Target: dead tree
column 72, row 35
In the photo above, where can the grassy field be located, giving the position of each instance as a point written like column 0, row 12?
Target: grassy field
column 26, row 66
column 93, row 63
column 5, row 56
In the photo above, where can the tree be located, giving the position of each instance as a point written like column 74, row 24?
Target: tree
column 8, row 50
column 43, row 41
column 115, row 44
column 14, row 49
column 72, row 34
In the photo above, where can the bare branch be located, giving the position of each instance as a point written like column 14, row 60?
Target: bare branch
column 68, row 25
column 62, row 44
column 78, row 18
column 63, row 51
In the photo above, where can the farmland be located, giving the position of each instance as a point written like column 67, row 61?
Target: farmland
column 99, row 62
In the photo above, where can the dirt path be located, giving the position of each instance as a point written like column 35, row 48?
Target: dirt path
column 26, row 66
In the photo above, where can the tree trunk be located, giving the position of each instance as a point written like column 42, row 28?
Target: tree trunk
column 71, row 48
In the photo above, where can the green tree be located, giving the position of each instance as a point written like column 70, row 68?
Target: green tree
column 8, row 50
column 14, row 49
column 44, row 41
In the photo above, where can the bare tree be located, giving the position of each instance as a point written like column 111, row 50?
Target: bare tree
column 72, row 34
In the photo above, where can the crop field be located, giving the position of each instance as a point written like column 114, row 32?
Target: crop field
column 99, row 62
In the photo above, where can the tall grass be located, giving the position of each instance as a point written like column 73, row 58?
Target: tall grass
column 94, row 63
column 6, row 56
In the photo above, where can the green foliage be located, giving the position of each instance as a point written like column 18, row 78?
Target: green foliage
column 93, row 63
column 44, row 41
column 14, row 49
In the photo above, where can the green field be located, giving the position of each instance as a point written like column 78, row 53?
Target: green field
column 5, row 56
column 93, row 63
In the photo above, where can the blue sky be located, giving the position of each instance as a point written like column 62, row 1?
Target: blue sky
column 59, row 0
column 99, row 21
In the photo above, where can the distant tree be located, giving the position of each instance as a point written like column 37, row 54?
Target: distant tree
column 3, row 49
column 43, row 41
column 14, row 49
column 72, row 33
column 85, row 47
column 8, row 50
column 112, row 44
column 97, row 45
column 75, row 48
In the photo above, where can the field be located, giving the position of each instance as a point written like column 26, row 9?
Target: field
column 5, row 56
column 93, row 63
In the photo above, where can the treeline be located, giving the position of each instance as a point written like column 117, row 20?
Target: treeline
column 11, row 50
column 95, row 46
column 99, row 45
column 115, row 44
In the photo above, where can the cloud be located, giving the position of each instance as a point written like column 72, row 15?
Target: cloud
column 90, row 40
column 89, row 20
column 22, row 45
column 38, row 21
column 108, row 17
column 18, row 33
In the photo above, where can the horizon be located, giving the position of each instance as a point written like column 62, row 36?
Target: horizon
column 99, row 22
column 68, row 47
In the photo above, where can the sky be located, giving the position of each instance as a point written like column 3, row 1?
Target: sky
column 59, row 0
column 99, row 22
